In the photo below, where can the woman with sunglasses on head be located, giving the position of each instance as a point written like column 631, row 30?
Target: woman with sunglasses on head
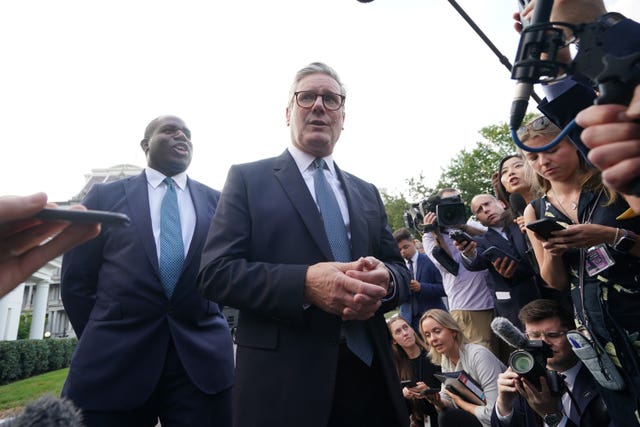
column 451, row 349
column 411, row 358
column 597, row 255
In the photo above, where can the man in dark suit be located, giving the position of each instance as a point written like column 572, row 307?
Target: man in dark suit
column 150, row 346
column 521, row 403
column 426, row 281
column 313, row 348
column 514, row 282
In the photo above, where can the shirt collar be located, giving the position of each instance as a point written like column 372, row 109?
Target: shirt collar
column 155, row 178
column 304, row 160
column 571, row 374
column 414, row 258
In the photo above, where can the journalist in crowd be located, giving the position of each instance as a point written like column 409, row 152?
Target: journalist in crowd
column 426, row 287
column 502, row 250
column 569, row 398
column 411, row 356
column 451, row 349
column 468, row 293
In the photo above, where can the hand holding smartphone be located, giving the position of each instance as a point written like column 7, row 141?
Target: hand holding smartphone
column 408, row 383
column 544, row 227
column 79, row 216
column 492, row 253
column 460, row 236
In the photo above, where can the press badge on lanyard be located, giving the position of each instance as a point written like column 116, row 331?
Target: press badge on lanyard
column 597, row 259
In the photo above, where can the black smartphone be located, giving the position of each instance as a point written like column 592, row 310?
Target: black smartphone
column 544, row 226
column 78, row 216
column 460, row 236
column 408, row 383
column 492, row 253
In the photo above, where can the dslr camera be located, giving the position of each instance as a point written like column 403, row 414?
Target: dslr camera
column 530, row 362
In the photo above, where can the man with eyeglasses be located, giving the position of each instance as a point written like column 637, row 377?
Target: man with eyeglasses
column 520, row 403
column 304, row 251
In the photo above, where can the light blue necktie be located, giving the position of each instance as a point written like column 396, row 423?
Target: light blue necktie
column 355, row 332
column 171, row 246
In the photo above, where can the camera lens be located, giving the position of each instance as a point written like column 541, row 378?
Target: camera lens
column 521, row 361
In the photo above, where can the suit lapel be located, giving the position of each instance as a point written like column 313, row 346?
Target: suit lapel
column 199, row 198
column 509, row 246
column 138, row 200
column 287, row 173
column 357, row 221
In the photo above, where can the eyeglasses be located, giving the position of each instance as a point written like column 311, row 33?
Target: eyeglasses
column 539, row 124
column 536, row 335
column 331, row 101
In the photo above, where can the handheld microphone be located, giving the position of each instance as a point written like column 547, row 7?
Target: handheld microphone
column 49, row 411
column 503, row 328
column 517, row 203
column 532, row 43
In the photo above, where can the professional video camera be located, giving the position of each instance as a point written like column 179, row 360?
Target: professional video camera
column 530, row 358
column 449, row 211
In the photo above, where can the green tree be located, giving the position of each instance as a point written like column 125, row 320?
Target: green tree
column 394, row 206
column 469, row 171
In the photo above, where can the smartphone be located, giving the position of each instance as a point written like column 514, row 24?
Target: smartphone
column 544, row 226
column 408, row 383
column 492, row 253
column 429, row 391
column 460, row 236
column 78, row 216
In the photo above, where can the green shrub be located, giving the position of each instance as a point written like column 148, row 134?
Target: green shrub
column 24, row 358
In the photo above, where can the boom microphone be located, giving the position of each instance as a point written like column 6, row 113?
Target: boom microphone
column 517, row 203
column 530, row 49
column 503, row 328
column 48, row 411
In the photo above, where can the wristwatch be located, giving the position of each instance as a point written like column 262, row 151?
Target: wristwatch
column 625, row 242
column 552, row 420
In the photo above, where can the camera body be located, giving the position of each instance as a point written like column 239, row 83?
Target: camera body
column 449, row 211
column 530, row 362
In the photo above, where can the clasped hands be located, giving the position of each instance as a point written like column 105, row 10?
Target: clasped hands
column 351, row 290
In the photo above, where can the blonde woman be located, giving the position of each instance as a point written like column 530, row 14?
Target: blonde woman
column 449, row 348
column 597, row 256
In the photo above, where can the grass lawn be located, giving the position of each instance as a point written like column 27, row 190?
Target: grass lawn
column 14, row 396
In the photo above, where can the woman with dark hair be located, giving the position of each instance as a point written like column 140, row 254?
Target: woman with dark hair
column 597, row 255
column 514, row 179
column 412, row 362
column 449, row 348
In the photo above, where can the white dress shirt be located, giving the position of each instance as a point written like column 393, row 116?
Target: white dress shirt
column 157, row 189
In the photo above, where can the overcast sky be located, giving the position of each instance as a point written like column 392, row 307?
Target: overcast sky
column 81, row 80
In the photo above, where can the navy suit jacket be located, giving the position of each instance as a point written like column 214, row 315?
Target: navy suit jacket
column 266, row 232
column 509, row 295
column 430, row 294
column 585, row 392
column 112, row 292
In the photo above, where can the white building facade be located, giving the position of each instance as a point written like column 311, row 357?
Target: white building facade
column 39, row 296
